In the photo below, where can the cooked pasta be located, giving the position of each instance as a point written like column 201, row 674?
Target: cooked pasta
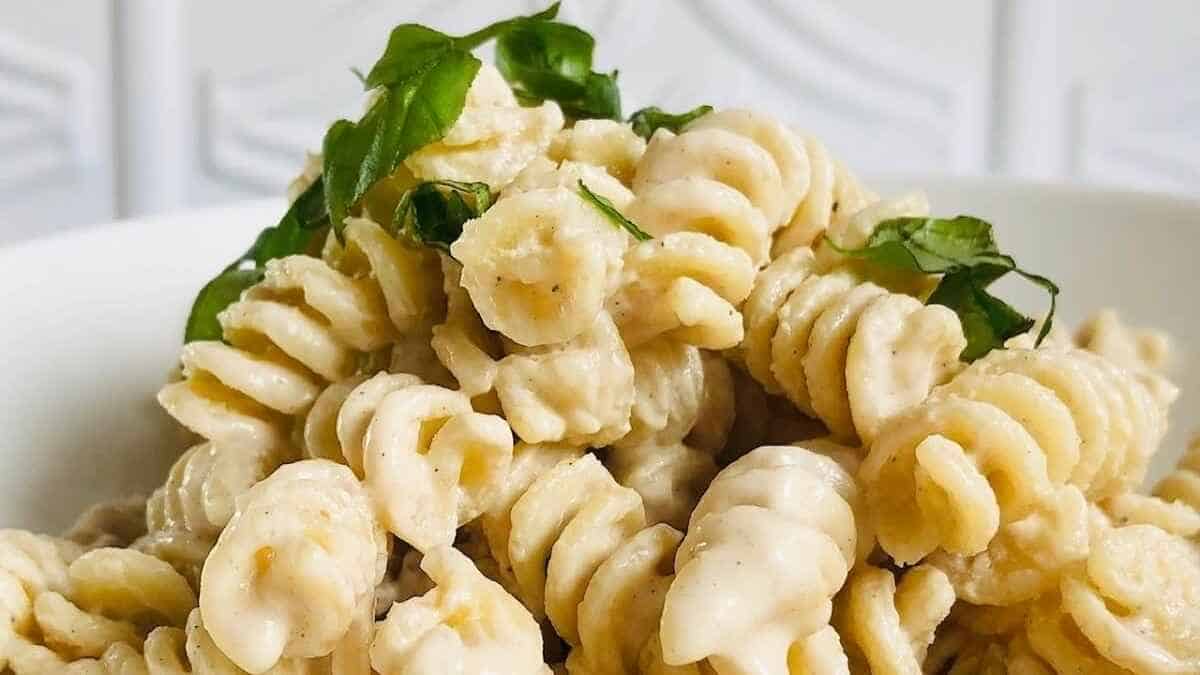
column 1134, row 607
column 304, row 326
column 539, row 265
column 734, row 175
column 768, row 546
column 466, row 624
column 578, row 392
column 889, row 625
column 522, row 385
column 849, row 353
column 300, row 556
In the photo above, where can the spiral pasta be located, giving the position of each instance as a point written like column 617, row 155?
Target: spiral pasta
column 301, row 555
column 610, row 145
column 735, row 175
column 466, row 624
column 669, row 477
column 432, row 464
column 467, row 349
column 768, row 546
column 853, row 229
column 1132, row 608
column 1183, row 483
column 303, row 326
column 990, row 446
column 851, row 354
column 888, row 626
column 578, row 392
column 685, row 286
column 492, row 140
column 118, row 522
column 833, row 193
column 540, row 264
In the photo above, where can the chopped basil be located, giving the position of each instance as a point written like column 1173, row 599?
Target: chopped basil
column 548, row 60
column 606, row 207
column 216, row 295
column 962, row 249
column 433, row 213
column 648, row 120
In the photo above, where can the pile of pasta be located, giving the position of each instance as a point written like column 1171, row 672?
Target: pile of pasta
column 557, row 448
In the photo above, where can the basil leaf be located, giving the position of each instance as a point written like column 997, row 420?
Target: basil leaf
column 216, row 295
column 648, row 120
column 606, row 207
column 964, row 250
column 987, row 321
column 405, row 116
column 433, row 213
column 547, row 60
column 295, row 231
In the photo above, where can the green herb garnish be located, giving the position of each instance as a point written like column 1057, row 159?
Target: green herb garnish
column 547, row 60
column 962, row 249
column 648, row 120
column 606, row 207
column 433, row 213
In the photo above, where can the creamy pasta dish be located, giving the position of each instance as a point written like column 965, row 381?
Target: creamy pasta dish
column 522, row 385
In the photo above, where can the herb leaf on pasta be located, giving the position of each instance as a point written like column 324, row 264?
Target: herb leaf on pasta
column 963, row 249
column 648, row 120
column 605, row 206
column 548, row 60
column 433, row 213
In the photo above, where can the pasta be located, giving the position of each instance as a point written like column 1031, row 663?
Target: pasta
column 1023, row 420
column 735, row 175
column 604, row 143
column 1133, row 607
column 685, row 286
column 302, row 553
column 578, row 392
column 466, row 624
column 539, row 265
column 849, row 353
column 279, row 355
column 493, row 139
column 432, row 464
column 890, row 624
column 779, row 559
column 516, row 387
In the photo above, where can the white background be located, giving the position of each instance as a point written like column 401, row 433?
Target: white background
column 114, row 108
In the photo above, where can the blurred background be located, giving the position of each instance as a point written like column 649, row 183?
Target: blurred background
column 124, row 108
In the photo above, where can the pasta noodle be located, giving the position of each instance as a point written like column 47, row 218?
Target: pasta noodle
column 466, row 624
column 735, row 175
column 603, row 143
column 832, row 192
column 300, row 556
column 990, row 446
column 299, row 329
column 768, row 546
column 539, row 265
column 849, row 353
column 890, row 624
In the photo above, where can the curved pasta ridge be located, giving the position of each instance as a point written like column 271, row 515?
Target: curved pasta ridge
column 993, row 445
column 767, row 548
column 847, row 352
column 573, row 546
column 307, row 323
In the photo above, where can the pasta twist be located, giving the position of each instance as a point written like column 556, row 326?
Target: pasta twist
column 493, row 138
column 832, row 194
column 185, row 515
column 431, row 463
column 303, row 326
column 1134, row 607
column 463, row 344
column 853, row 229
column 467, row 624
column 768, row 546
column 300, row 556
column 669, row 477
column 851, row 354
column 579, row 392
column 990, row 446
column 544, row 174
column 118, row 522
column 735, row 175
column 888, row 626
column 539, row 265
column 55, row 614
column 610, row 145
column 1183, row 483
column 1027, row 557
column 685, row 286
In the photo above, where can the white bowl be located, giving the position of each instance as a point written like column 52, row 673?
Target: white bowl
column 92, row 321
